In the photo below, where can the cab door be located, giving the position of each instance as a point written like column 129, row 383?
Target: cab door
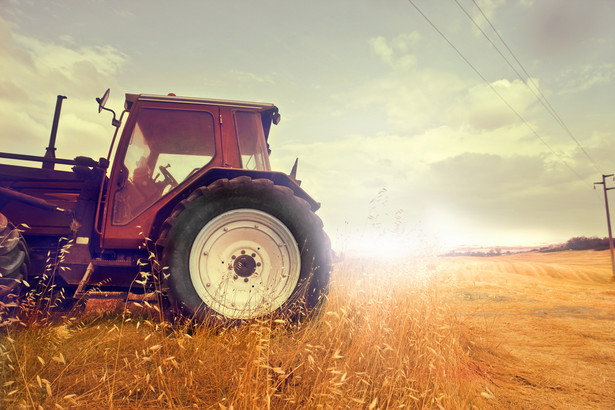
column 162, row 147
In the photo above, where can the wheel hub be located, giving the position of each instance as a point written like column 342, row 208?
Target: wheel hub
column 244, row 263
column 244, row 266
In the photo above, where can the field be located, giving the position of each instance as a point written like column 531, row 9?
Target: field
column 543, row 324
column 514, row 331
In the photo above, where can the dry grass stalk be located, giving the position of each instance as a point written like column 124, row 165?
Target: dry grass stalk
column 384, row 339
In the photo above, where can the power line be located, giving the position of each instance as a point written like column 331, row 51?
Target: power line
column 542, row 98
column 496, row 92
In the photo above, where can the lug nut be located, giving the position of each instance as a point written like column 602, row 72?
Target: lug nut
column 233, row 257
column 253, row 255
column 258, row 264
column 243, row 252
column 245, row 280
column 235, row 277
column 230, row 267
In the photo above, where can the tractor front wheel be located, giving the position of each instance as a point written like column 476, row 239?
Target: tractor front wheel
column 245, row 248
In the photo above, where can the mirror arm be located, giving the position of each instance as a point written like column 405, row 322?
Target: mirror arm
column 117, row 128
column 116, row 123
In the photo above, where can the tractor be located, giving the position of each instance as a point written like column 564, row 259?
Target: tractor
column 189, row 213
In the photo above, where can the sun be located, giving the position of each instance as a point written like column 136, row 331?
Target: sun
column 384, row 245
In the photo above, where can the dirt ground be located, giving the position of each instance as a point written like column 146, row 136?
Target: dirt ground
column 543, row 326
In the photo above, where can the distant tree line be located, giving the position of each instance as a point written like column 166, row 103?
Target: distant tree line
column 580, row 243
column 491, row 252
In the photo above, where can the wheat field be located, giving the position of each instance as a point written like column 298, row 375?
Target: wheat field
column 516, row 331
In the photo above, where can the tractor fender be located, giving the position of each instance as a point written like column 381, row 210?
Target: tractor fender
column 214, row 174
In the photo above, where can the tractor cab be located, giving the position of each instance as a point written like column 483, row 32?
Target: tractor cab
column 170, row 142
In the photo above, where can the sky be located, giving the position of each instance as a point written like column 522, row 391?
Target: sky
column 411, row 128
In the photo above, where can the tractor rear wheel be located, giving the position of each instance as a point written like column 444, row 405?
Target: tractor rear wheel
column 14, row 264
column 245, row 248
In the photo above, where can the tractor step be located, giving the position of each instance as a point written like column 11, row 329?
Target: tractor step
column 129, row 296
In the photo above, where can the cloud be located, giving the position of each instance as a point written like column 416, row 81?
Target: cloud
column 586, row 77
column 382, row 49
column 440, row 176
column 419, row 97
column 483, row 106
column 557, row 30
column 489, row 8
column 477, row 179
column 33, row 72
column 105, row 60
column 413, row 101
column 394, row 52
column 424, row 99
column 452, row 155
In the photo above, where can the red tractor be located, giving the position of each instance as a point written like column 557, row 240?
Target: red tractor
column 190, row 182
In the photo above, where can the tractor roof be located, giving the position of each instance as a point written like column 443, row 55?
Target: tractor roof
column 131, row 98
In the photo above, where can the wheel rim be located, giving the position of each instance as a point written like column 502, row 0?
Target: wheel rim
column 244, row 263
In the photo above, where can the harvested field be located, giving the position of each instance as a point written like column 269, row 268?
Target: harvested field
column 516, row 331
column 543, row 326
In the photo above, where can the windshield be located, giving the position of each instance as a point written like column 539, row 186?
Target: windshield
column 251, row 139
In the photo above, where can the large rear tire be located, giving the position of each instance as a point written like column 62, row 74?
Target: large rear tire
column 14, row 265
column 244, row 249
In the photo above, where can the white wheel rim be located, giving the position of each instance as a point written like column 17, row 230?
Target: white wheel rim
column 244, row 264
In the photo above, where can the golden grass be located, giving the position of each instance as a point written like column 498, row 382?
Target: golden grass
column 454, row 333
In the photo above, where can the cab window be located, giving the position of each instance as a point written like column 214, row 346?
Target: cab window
column 166, row 147
column 251, row 139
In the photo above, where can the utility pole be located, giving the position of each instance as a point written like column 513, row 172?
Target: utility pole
column 608, row 217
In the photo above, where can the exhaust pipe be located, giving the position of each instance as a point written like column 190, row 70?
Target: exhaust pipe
column 50, row 153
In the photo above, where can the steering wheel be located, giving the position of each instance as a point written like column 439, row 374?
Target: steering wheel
column 168, row 178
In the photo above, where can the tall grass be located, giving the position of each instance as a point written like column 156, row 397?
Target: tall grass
column 384, row 339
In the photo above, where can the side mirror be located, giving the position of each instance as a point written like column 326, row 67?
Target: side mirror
column 103, row 100
column 101, row 106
